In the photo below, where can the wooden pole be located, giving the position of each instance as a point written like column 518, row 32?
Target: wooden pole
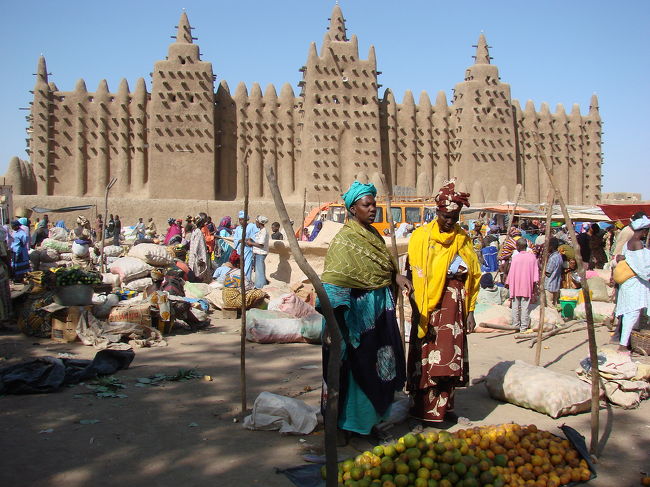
column 302, row 216
column 332, row 333
column 242, row 290
column 511, row 214
column 550, row 199
column 593, row 350
column 393, row 241
column 101, row 254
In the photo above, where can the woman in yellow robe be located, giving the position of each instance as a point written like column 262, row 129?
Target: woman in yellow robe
column 445, row 273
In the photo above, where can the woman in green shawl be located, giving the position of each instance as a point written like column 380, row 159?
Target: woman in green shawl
column 361, row 278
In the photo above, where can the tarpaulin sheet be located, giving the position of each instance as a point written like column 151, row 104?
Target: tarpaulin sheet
column 67, row 209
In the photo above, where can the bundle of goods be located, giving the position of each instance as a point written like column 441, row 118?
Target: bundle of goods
column 537, row 388
column 152, row 254
column 268, row 326
column 130, row 269
column 504, row 455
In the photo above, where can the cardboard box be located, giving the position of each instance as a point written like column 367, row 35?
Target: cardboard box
column 64, row 323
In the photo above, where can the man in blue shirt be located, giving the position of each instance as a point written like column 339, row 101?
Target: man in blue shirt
column 251, row 231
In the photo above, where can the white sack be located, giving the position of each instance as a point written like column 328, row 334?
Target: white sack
column 263, row 326
column 113, row 250
column 139, row 285
column 152, row 254
column 537, row 388
column 130, row 268
column 274, row 412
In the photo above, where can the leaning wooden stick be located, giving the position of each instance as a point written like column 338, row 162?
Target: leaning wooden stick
column 393, row 241
column 101, row 255
column 242, row 288
column 593, row 351
column 542, row 281
column 332, row 333
column 511, row 214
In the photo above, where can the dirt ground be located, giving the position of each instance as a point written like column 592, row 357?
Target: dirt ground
column 183, row 433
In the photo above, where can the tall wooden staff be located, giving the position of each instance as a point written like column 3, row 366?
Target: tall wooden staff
column 393, row 241
column 550, row 199
column 593, row 351
column 242, row 290
column 332, row 333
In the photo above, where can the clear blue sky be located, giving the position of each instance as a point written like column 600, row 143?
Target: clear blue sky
column 549, row 51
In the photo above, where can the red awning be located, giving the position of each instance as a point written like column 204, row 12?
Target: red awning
column 623, row 212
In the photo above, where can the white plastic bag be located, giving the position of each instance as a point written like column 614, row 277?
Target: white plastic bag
column 537, row 388
column 275, row 412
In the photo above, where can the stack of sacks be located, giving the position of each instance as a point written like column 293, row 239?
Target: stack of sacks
column 52, row 253
column 133, row 273
column 142, row 258
column 57, row 233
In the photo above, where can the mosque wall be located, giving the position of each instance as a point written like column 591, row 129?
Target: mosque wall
column 187, row 140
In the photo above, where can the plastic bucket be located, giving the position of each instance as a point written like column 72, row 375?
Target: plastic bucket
column 568, row 307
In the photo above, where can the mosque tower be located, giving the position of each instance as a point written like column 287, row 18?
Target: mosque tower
column 338, row 114
column 181, row 125
column 484, row 139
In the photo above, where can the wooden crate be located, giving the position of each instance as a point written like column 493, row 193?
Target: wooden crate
column 64, row 323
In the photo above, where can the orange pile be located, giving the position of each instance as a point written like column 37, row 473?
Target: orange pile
column 488, row 456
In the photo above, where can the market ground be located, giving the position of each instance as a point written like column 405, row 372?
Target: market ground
column 183, row 433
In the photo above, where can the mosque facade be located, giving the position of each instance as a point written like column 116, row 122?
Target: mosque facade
column 335, row 128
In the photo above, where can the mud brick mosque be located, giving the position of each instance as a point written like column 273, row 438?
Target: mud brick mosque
column 336, row 128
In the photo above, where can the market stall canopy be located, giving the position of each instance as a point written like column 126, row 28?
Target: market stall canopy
column 67, row 209
column 624, row 212
column 506, row 208
column 577, row 214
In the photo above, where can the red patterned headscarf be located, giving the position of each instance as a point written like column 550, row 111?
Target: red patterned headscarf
column 449, row 200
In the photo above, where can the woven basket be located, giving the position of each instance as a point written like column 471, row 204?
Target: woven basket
column 640, row 341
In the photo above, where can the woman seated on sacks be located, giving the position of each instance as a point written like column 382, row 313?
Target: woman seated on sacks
column 361, row 279
column 82, row 244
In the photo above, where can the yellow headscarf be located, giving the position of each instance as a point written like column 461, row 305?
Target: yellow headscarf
column 430, row 254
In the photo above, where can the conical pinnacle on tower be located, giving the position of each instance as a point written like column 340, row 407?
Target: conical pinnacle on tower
column 336, row 30
column 41, row 72
column 593, row 104
column 482, row 53
column 184, row 31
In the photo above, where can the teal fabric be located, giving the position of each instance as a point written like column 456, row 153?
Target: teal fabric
column 357, row 191
column 372, row 357
column 358, row 414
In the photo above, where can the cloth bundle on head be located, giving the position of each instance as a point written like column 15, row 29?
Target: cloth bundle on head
column 449, row 200
column 357, row 191
column 82, row 221
column 262, row 219
column 640, row 223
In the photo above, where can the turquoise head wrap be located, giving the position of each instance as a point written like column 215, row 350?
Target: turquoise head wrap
column 23, row 221
column 357, row 191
